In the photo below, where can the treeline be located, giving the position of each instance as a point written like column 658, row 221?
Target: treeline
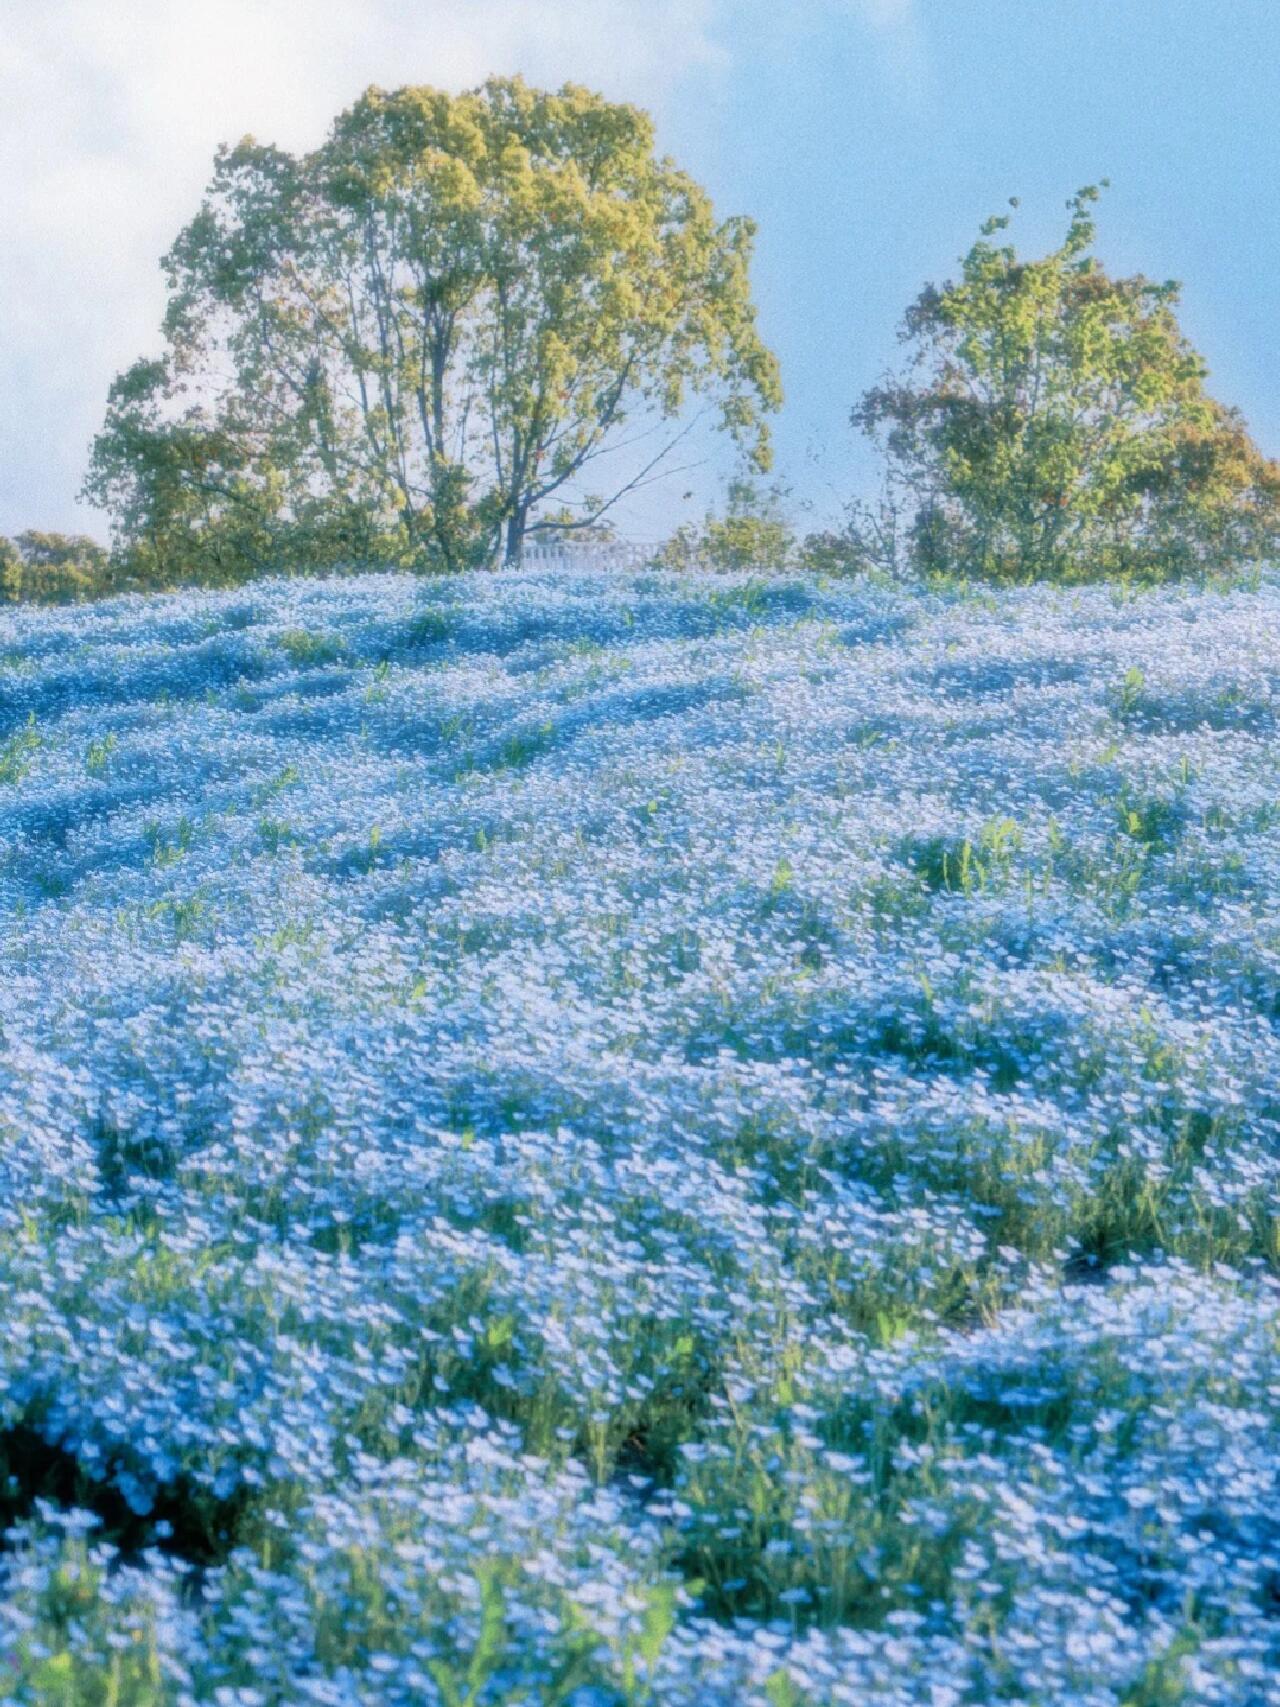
column 55, row 568
column 429, row 341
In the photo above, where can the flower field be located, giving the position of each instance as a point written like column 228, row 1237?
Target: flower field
column 640, row 1141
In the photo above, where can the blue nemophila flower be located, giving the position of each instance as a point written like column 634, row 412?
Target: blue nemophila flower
column 571, row 1135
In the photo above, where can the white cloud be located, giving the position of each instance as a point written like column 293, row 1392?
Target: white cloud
column 110, row 111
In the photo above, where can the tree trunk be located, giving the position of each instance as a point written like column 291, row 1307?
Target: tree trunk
column 517, row 522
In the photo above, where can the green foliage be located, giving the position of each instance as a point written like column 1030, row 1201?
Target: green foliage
column 752, row 534
column 870, row 542
column 833, row 551
column 1131, row 689
column 400, row 347
column 191, row 501
column 637, row 1654
column 97, row 758
column 303, row 647
column 964, row 865
column 1053, row 424
column 461, row 1685
column 52, row 568
column 16, row 752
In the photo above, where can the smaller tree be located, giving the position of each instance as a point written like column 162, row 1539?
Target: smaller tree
column 1053, row 424
column 753, row 533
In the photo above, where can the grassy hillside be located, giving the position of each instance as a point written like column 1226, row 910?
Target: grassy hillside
column 588, row 1140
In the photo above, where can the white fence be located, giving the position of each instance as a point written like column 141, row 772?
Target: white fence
column 588, row 554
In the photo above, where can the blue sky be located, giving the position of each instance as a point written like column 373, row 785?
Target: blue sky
column 867, row 137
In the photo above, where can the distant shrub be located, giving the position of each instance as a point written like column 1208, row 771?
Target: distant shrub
column 1053, row 425
column 52, row 568
column 752, row 534
column 831, row 552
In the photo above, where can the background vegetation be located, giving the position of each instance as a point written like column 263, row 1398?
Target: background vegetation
column 416, row 347
column 54, row 568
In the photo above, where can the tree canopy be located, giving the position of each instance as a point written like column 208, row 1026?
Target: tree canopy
column 1053, row 423
column 407, row 344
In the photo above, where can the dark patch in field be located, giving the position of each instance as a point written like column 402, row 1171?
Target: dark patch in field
column 1085, row 1268
column 126, row 1162
column 183, row 1521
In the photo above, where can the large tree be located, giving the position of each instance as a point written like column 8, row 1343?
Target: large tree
column 1053, row 423
column 407, row 343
